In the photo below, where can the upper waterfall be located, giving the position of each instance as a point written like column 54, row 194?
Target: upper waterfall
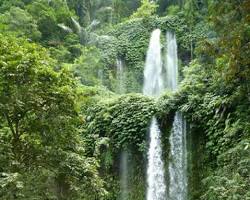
column 153, row 82
column 171, row 62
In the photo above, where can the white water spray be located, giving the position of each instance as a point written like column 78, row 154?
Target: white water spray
column 153, row 86
column 178, row 146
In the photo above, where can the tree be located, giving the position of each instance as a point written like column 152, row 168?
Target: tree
column 232, row 48
column 87, row 66
column 48, row 16
column 147, row 9
column 39, row 133
column 21, row 22
column 123, row 9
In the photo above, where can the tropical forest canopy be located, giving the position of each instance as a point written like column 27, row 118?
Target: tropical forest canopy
column 64, row 121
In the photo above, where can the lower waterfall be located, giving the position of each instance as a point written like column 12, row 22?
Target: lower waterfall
column 178, row 160
column 155, row 173
column 124, row 175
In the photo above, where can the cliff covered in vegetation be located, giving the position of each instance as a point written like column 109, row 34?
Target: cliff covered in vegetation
column 64, row 122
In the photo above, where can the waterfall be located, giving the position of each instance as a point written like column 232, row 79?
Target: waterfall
column 120, row 77
column 172, row 62
column 153, row 86
column 124, row 175
column 153, row 82
column 178, row 146
column 100, row 76
column 178, row 160
column 156, row 183
column 124, row 171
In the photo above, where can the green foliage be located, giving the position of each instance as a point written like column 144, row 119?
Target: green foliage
column 39, row 136
column 173, row 10
column 124, row 8
column 115, row 124
column 221, row 117
column 120, row 10
column 60, row 134
column 6, row 5
column 107, row 46
column 147, row 9
column 87, row 66
column 232, row 46
column 19, row 21
column 129, row 42
column 214, row 96
column 134, row 35
column 48, row 16
column 40, row 21
column 123, row 119
column 231, row 181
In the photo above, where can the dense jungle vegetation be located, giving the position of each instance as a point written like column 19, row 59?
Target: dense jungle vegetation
column 64, row 122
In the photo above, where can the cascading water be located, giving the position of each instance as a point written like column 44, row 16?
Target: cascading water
column 178, row 146
column 124, row 175
column 120, row 76
column 156, row 182
column 100, row 76
column 153, row 86
column 171, row 62
column 178, row 160
column 153, row 82
column 124, row 154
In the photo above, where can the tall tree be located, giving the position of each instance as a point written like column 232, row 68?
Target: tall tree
column 39, row 133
